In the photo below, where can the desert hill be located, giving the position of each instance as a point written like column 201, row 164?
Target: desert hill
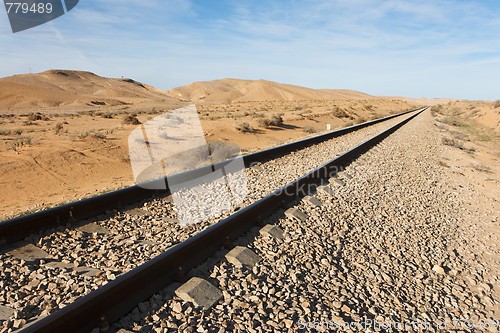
column 56, row 88
column 236, row 90
column 71, row 88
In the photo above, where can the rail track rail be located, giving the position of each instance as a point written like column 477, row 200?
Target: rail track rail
column 19, row 228
column 108, row 303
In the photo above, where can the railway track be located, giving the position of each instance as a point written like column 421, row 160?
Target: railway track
column 117, row 297
column 16, row 229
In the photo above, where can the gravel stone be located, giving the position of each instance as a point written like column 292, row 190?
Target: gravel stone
column 438, row 269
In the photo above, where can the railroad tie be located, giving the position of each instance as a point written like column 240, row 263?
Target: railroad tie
column 199, row 292
column 312, row 201
column 81, row 270
column 137, row 212
column 88, row 271
column 272, row 230
column 336, row 181
column 296, row 214
column 345, row 175
column 91, row 228
column 257, row 167
column 30, row 253
column 241, row 256
column 325, row 189
column 59, row 265
column 6, row 313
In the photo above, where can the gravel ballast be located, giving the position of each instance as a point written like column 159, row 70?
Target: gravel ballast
column 82, row 258
column 397, row 248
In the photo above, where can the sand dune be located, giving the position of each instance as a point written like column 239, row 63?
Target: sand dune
column 59, row 88
column 235, row 90
column 70, row 89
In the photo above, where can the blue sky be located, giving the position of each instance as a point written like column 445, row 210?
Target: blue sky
column 415, row 48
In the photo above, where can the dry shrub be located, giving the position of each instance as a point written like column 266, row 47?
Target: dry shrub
column 37, row 116
column 93, row 134
column 436, row 109
column 360, row 120
column 58, row 128
column 264, row 122
column 107, row 115
column 453, row 143
column 275, row 120
column 481, row 167
column 497, row 104
column 443, row 164
column 23, row 141
column 440, row 126
column 339, row 113
column 457, row 144
column 450, row 121
column 245, row 128
column 310, row 130
column 98, row 135
column 131, row 120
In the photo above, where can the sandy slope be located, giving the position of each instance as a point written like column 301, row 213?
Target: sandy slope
column 77, row 145
column 235, row 90
column 56, row 88
column 486, row 114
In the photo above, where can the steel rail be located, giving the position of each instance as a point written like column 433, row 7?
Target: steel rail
column 107, row 304
column 18, row 228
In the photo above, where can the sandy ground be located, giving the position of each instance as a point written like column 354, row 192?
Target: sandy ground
column 473, row 156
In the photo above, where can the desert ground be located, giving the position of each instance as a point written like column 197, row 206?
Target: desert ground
column 63, row 134
column 472, row 132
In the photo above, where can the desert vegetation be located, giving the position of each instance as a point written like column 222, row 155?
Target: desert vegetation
column 275, row 120
column 339, row 113
column 474, row 119
column 131, row 120
column 245, row 128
